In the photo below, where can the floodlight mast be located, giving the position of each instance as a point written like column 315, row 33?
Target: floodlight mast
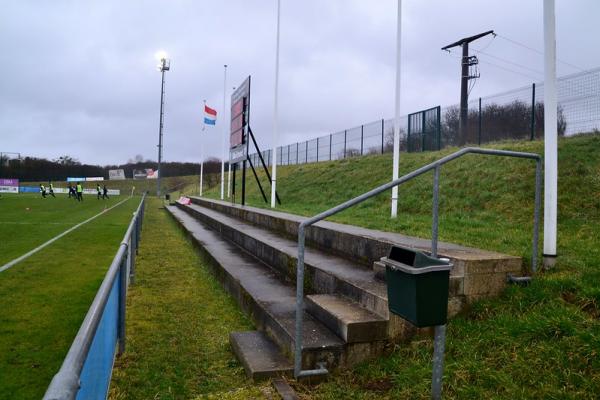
column 466, row 62
column 164, row 65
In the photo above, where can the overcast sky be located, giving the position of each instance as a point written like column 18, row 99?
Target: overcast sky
column 79, row 77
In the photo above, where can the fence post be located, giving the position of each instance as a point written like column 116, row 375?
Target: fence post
column 423, row 131
column 297, row 160
column 382, row 133
column 317, row 149
column 439, row 127
column 345, row 143
column 532, row 111
column 361, row 139
column 479, row 129
column 288, row 161
column 408, row 134
column 330, row 135
column 306, row 154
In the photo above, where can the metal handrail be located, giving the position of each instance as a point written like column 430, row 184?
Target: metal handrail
column 298, row 372
column 66, row 382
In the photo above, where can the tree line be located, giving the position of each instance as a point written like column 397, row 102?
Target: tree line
column 40, row 169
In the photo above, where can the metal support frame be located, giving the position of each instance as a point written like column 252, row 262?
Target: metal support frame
column 435, row 166
column 66, row 383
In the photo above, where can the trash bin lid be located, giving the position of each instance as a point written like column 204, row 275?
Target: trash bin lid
column 415, row 270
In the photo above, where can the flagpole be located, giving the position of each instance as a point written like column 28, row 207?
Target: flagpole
column 229, row 179
column 275, row 116
column 224, row 132
column 396, row 158
column 201, row 148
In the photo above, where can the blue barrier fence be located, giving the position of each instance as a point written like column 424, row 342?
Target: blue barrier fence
column 86, row 370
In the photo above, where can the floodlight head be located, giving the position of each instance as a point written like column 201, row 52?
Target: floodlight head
column 160, row 55
column 164, row 63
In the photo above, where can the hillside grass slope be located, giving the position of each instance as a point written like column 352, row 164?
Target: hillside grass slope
column 542, row 341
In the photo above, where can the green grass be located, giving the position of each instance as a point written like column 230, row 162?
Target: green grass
column 178, row 323
column 28, row 220
column 537, row 342
column 46, row 296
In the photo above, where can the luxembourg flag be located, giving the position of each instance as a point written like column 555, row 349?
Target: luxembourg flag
column 210, row 115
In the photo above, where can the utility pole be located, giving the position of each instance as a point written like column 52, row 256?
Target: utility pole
column 466, row 62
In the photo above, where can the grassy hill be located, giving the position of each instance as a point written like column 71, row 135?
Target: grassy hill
column 542, row 341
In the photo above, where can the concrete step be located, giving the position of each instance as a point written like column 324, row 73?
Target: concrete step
column 347, row 318
column 325, row 273
column 262, row 295
column 366, row 246
column 259, row 355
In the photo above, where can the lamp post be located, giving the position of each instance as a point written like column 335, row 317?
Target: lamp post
column 164, row 65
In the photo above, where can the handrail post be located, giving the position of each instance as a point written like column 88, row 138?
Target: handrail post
column 435, row 211
column 439, row 347
column 299, row 302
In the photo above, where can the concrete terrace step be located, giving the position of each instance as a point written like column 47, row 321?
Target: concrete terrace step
column 346, row 318
column 259, row 355
column 364, row 245
column 325, row 273
column 269, row 302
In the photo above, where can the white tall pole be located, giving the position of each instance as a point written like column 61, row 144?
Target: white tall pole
column 201, row 158
column 550, row 135
column 224, row 132
column 201, row 172
column 396, row 160
column 275, row 116
column 229, row 180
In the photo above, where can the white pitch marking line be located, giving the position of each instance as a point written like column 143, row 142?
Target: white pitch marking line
column 55, row 238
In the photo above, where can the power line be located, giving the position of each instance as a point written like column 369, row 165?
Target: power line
column 510, row 62
column 489, row 43
column 511, row 70
column 499, row 66
column 538, row 52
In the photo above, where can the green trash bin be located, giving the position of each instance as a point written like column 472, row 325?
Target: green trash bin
column 417, row 286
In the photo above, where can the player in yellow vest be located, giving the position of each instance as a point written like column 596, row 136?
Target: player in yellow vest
column 79, row 189
column 51, row 187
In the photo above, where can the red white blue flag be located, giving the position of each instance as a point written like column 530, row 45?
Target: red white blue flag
column 210, row 115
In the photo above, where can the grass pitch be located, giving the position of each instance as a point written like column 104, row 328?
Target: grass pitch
column 46, row 296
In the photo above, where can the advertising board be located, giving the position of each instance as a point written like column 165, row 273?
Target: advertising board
column 9, row 186
column 240, row 117
column 116, row 174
